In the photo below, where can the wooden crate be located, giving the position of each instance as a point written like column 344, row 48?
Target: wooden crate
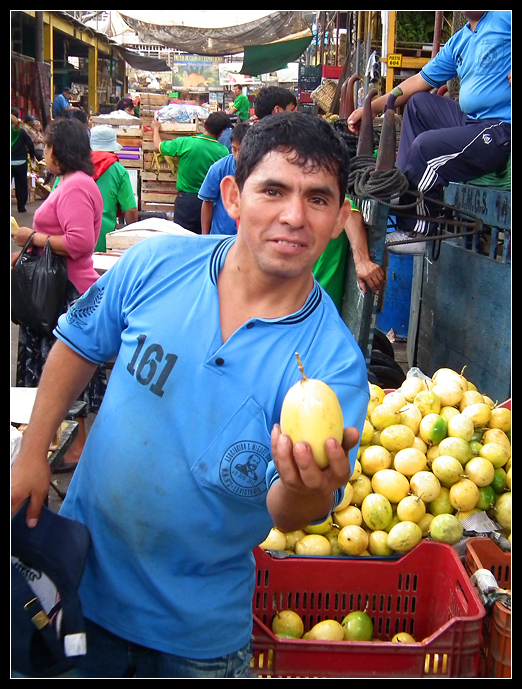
column 130, row 136
column 150, row 103
column 158, row 191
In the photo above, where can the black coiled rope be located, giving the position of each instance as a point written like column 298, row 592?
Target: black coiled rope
column 364, row 180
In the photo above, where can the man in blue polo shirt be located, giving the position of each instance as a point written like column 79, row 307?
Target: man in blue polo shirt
column 214, row 217
column 443, row 140
column 204, row 331
column 62, row 104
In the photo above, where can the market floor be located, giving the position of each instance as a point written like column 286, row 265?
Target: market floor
column 61, row 481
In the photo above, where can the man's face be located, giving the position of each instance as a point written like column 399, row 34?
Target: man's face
column 237, row 89
column 289, row 108
column 288, row 214
column 235, row 146
column 473, row 15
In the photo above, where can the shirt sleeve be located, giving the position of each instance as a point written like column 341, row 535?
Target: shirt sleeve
column 442, row 67
column 75, row 209
column 93, row 326
column 171, row 148
column 210, row 189
column 126, row 198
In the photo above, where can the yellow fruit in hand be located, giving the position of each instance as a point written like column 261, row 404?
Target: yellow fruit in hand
column 311, row 413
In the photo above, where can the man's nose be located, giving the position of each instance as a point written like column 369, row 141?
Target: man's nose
column 294, row 211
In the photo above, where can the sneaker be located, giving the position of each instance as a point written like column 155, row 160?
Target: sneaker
column 412, row 247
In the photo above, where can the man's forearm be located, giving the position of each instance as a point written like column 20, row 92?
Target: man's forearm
column 290, row 515
column 207, row 211
column 408, row 87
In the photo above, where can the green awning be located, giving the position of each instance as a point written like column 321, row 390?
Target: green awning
column 261, row 59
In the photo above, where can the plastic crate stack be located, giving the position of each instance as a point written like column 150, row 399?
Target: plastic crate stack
column 495, row 657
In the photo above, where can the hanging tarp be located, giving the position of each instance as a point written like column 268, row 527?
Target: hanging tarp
column 142, row 62
column 261, row 59
column 211, row 32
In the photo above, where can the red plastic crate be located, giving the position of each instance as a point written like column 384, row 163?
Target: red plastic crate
column 495, row 656
column 427, row 593
column 332, row 72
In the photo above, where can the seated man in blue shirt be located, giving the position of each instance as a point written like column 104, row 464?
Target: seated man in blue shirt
column 62, row 105
column 204, row 332
column 214, row 217
column 443, row 140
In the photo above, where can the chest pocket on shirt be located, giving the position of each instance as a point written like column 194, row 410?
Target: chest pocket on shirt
column 235, row 463
column 491, row 58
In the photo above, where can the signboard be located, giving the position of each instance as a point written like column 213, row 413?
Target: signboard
column 395, row 60
column 196, row 72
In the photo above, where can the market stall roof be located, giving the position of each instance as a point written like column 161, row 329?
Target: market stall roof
column 142, row 62
column 226, row 32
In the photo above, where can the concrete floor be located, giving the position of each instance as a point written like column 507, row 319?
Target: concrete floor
column 62, row 480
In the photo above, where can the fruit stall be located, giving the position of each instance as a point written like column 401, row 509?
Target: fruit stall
column 410, row 576
column 392, row 583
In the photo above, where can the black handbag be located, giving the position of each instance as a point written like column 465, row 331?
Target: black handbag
column 38, row 288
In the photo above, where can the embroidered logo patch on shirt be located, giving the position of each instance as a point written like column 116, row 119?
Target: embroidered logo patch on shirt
column 243, row 468
column 85, row 306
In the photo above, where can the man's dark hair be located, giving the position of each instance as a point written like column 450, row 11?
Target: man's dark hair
column 238, row 132
column 215, row 124
column 305, row 139
column 71, row 146
column 270, row 96
column 80, row 115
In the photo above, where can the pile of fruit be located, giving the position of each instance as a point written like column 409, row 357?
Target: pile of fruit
column 432, row 453
column 355, row 626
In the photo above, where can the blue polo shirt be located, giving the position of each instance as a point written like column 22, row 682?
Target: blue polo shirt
column 482, row 59
column 210, row 190
column 59, row 104
column 173, row 479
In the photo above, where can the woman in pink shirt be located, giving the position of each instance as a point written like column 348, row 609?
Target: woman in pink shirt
column 71, row 216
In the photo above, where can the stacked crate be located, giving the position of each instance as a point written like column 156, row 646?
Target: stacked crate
column 154, row 179
column 158, row 178
column 129, row 133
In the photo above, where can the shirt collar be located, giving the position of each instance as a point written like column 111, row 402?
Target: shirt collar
column 217, row 260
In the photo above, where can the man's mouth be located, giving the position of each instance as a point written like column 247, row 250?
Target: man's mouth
column 283, row 242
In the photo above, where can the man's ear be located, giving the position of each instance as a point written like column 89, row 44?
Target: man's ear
column 230, row 196
column 344, row 213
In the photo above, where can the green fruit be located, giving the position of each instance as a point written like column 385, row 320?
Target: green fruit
column 499, row 483
column 487, row 497
column 358, row 626
column 446, row 528
column 433, row 428
column 475, row 447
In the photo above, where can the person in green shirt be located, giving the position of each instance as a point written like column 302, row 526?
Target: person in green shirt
column 241, row 105
column 196, row 154
column 113, row 181
column 329, row 269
